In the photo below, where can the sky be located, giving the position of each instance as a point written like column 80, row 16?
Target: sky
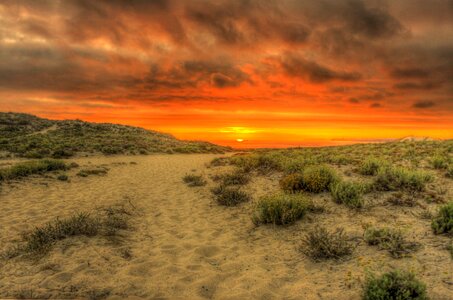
column 243, row 73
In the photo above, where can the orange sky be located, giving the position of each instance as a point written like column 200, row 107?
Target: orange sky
column 270, row 73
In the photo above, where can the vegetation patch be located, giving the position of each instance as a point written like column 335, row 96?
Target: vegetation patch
column 230, row 196
column 449, row 172
column 391, row 240
column 348, row 193
column 371, row 166
column 292, row 183
column 88, row 172
column 238, row 177
column 28, row 168
column 443, row 221
column 400, row 199
column 32, row 137
column 317, row 179
column 321, row 244
column 63, row 177
column 280, row 209
column 397, row 178
column 42, row 238
column 440, row 162
column 394, row 285
column 194, row 180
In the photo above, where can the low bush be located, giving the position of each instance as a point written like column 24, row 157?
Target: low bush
column 279, row 209
column 449, row 172
column 317, row 179
column 237, row 177
column 229, row 196
column 63, row 177
column 292, row 183
column 88, row 172
column 348, row 193
column 443, row 221
column 394, row 285
column 194, row 180
column 28, row 168
column 42, row 238
column 321, row 244
column 440, row 162
column 397, row 178
column 400, row 199
column 371, row 166
column 391, row 240
column 219, row 161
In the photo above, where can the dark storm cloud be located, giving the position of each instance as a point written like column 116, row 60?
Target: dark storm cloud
column 299, row 67
column 190, row 74
column 409, row 73
column 423, row 104
column 146, row 45
column 417, row 85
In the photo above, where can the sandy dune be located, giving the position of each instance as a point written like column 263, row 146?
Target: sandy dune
column 183, row 245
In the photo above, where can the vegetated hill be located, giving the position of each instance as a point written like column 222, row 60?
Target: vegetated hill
column 29, row 136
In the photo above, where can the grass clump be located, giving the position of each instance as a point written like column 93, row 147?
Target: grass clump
column 371, row 166
column 194, row 180
column 449, row 172
column 292, row 183
column 63, row 177
column 394, row 285
column 279, row 209
column 237, row 177
column 42, row 238
column 397, row 178
column 317, row 179
column 321, row 244
column 443, row 221
column 348, row 193
column 28, row 168
column 88, row 172
column 391, row 240
column 440, row 162
column 229, row 196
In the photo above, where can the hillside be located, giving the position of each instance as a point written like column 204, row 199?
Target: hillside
column 25, row 135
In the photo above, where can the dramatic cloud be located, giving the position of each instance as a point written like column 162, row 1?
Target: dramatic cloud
column 326, row 57
column 423, row 104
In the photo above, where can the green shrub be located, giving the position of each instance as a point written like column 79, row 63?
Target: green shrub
column 443, row 222
column 219, row 161
column 394, row 285
column 397, row 178
column 449, row 172
column 88, row 172
column 348, row 193
column 229, row 196
column 371, row 166
column 317, row 179
column 321, row 244
column 194, row 180
column 440, row 162
column 292, row 183
column 63, row 177
column 391, row 240
column 279, row 209
column 28, row 168
column 41, row 238
column 237, row 177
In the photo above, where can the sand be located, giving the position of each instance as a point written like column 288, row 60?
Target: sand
column 183, row 245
